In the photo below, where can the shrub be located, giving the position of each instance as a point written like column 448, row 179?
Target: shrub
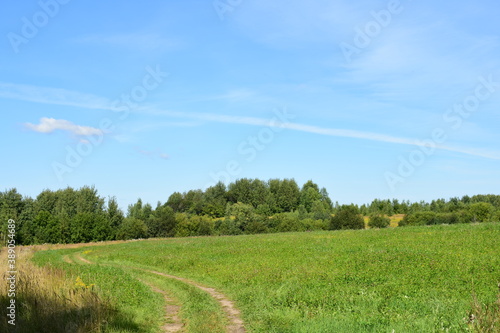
column 481, row 211
column 205, row 225
column 465, row 216
column 496, row 216
column 227, row 227
column 347, row 217
column 379, row 221
column 264, row 210
column 184, row 226
column 286, row 222
column 418, row 218
column 132, row 228
column 312, row 224
column 447, row 218
column 256, row 226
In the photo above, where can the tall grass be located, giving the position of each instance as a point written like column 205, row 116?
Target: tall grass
column 48, row 301
column 484, row 318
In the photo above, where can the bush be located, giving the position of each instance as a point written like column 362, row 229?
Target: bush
column 347, row 217
column 379, row 221
column 418, row 218
column 464, row 216
column 286, row 222
column 481, row 211
column 257, row 226
column 227, row 227
column 496, row 216
column 205, row 225
column 312, row 224
column 132, row 228
column 264, row 210
column 447, row 218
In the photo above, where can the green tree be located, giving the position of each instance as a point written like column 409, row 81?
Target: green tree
column 88, row 201
column 285, row 195
column 102, row 230
column 162, row 222
column 320, row 210
column 140, row 211
column 46, row 201
column 193, row 200
column 252, row 192
column 82, row 227
column 244, row 215
column 309, row 194
column 215, row 200
column 26, row 232
column 326, row 199
column 11, row 207
column 47, row 228
column 114, row 216
column 176, row 202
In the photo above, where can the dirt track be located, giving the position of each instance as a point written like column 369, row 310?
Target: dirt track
column 232, row 313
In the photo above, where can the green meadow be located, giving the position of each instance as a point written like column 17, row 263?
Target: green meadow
column 413, row 279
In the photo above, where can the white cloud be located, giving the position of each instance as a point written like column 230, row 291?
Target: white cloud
column 49, row 125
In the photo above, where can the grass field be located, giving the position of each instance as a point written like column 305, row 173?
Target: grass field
column 413, row 279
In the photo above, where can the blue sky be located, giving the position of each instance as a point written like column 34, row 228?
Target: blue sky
column 371, row 99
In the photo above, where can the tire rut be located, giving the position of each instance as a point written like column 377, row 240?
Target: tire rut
column 174, row 323
column 233, row 315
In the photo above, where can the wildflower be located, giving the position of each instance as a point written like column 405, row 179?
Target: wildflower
column 79, row 283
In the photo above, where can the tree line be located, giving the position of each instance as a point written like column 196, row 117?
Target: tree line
column 246, row 206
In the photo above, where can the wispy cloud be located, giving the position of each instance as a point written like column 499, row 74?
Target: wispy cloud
column 65, row 97
column 346, row 133
column 140, row 41
column 236, row 95
column 55, row 96
column 152, row 154
column 300, row 21
column 49, row 125
column 152, row 126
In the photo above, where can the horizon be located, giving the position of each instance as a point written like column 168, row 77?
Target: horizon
column 372, row 100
